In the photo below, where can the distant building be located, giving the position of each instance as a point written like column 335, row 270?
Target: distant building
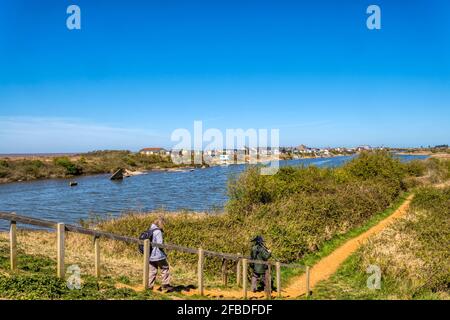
column 153, row 151
column 363, row 148
column 224, row 158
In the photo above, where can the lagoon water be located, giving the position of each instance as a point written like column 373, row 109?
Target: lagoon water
column 199, row 190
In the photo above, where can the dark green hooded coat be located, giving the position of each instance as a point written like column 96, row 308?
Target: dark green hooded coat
column 259, row 252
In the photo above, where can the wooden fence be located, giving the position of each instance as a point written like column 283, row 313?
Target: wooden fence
column 242, row 262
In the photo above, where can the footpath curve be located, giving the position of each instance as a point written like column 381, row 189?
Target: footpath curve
column 327, row 266
column 322, row 270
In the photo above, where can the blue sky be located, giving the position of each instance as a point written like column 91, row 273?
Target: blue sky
column 137, row 70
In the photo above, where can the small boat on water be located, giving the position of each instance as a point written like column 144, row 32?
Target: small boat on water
column 73, row 183
column 118, row 175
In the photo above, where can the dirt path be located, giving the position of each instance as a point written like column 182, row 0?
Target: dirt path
column 321, row 270
column 329, row 265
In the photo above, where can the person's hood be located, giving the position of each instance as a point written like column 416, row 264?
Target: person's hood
column 257, row 239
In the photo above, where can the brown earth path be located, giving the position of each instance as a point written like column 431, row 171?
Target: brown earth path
column 327, row 266
column 321, row 270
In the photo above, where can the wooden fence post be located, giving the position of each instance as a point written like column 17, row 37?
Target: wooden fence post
column 13, row 245
column 97, row 256
column 268, row 282
column 307, row 281
column 244, row 277
column 60, row 240
column 200, row 271
column 278, row 275
column 146, row 264
column 238, row 271
column 225, row 272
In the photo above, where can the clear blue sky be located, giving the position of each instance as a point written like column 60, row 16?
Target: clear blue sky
column 137, row 70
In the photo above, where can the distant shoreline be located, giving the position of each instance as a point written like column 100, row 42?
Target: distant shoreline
column 416, row 153
column 36, row 155
column 426, row 153
column 42, row 166
column 47, row 159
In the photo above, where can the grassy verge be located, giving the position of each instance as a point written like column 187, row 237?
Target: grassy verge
column 35, row 279
column 350, row 283
column 36, row 275
column 412, row 256
column 329, row 246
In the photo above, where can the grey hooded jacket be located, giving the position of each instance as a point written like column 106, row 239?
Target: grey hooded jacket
column 157, row 254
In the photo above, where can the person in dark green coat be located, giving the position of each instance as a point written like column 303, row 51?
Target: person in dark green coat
column 259, row 252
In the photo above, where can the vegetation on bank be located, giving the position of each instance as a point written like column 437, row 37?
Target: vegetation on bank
column 438, row 149
column 296, row 210
column 12, row 169
column 413, row 256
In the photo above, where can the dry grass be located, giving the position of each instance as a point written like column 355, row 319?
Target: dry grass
column 397, row 248
column 412, row 254
column 117, row 262
column 441, row 155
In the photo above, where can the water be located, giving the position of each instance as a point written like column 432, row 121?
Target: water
column 199, row 190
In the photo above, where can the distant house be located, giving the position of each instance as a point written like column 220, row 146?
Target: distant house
column 152, row 151
column 363, row 148
column 224, row 158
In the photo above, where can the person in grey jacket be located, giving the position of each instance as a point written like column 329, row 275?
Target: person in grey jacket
column 158, row 258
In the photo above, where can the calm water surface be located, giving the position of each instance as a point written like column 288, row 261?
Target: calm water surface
column 199, row 190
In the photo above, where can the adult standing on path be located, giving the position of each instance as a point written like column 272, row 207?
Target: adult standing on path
column 259, row 252
column 158, row 258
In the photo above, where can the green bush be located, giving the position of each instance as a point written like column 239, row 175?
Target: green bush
column 35, row 287
column 4, row 164
column 379, row 164
column 71, row 168
column 415, row 168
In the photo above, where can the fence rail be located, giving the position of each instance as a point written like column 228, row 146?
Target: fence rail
column 241, row 261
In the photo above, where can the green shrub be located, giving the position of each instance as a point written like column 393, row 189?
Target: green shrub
column 4, row 164
column 415, row 168
column 3, row 173
column 32, row 287
column 71, row 168
column 378, row 164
